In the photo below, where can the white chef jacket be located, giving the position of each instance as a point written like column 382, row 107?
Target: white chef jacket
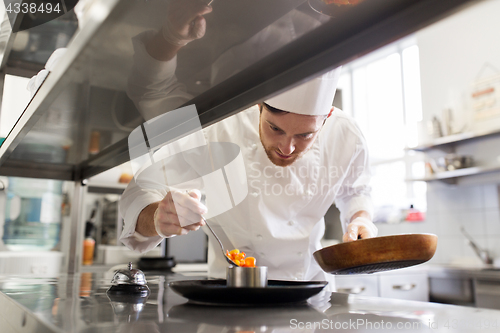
column 280, row 222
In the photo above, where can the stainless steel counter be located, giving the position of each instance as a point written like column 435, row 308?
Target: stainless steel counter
column 79, row 304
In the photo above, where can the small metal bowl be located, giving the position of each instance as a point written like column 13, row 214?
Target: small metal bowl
column 250, row 277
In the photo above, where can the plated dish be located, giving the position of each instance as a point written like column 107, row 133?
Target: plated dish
column 215, row 292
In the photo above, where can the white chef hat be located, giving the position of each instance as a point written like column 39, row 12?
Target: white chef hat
column 313, row 98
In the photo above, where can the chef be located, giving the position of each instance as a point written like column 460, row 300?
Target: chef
column 301, row 155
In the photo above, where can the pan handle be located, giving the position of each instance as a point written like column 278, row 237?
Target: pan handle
column 404, row 287
column 353, row 290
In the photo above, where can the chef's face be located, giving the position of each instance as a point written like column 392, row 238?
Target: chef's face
column 287, row 136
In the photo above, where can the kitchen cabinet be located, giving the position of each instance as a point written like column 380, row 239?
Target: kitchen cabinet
column 85, row 97
column 398, row 284
column 362, row 285
column 404, row 286
column 487, row 293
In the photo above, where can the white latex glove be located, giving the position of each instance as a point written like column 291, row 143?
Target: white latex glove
column 178, row 213
column 360, row 226
column 185, row 21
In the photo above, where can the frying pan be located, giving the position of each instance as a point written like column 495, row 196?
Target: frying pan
column 377, row 254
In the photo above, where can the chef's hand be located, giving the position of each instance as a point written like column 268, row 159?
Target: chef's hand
column 178, row 213
column 362, row 227
column 185, row 21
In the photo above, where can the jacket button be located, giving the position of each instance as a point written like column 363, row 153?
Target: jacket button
column 254, row 146
column 255, row 194
column 259, row 237
column 299, row 254
column 290, row 223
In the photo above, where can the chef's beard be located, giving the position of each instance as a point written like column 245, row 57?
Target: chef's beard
column 276, row 160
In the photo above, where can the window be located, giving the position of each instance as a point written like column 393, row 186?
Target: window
column 382, row 92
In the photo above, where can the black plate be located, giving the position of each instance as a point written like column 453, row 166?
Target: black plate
column 215, row 292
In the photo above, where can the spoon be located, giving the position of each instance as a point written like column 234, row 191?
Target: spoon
column 220, row 243
column 218, row 240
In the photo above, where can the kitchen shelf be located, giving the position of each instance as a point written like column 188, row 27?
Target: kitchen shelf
column 89, row 82
column 42, row 39
column 455, row 138
column 6, row 41
column 451, row 176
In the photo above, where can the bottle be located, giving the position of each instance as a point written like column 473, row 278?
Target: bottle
column 414, row 215
column 88, row 243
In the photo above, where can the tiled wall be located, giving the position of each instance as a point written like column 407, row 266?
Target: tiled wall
column 476, row 207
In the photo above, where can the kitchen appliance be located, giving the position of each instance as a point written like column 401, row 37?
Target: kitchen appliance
column 377, row 254
column 251, row 277
column 215, row 292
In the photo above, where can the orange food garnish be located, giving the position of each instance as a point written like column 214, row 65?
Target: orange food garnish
column 249, row 262
column 239, row 258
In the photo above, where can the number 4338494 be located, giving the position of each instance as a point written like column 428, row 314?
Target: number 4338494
column 33, row 8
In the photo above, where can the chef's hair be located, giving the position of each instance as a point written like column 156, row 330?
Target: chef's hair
column 277, row 111
column 273, row 109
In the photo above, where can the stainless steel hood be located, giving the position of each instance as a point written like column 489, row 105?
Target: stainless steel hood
column 84, row 97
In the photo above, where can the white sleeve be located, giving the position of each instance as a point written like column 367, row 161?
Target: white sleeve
column 152, row 84
column 150, row 186
column 354, row 193
column 154, row 89
column 133, row 200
